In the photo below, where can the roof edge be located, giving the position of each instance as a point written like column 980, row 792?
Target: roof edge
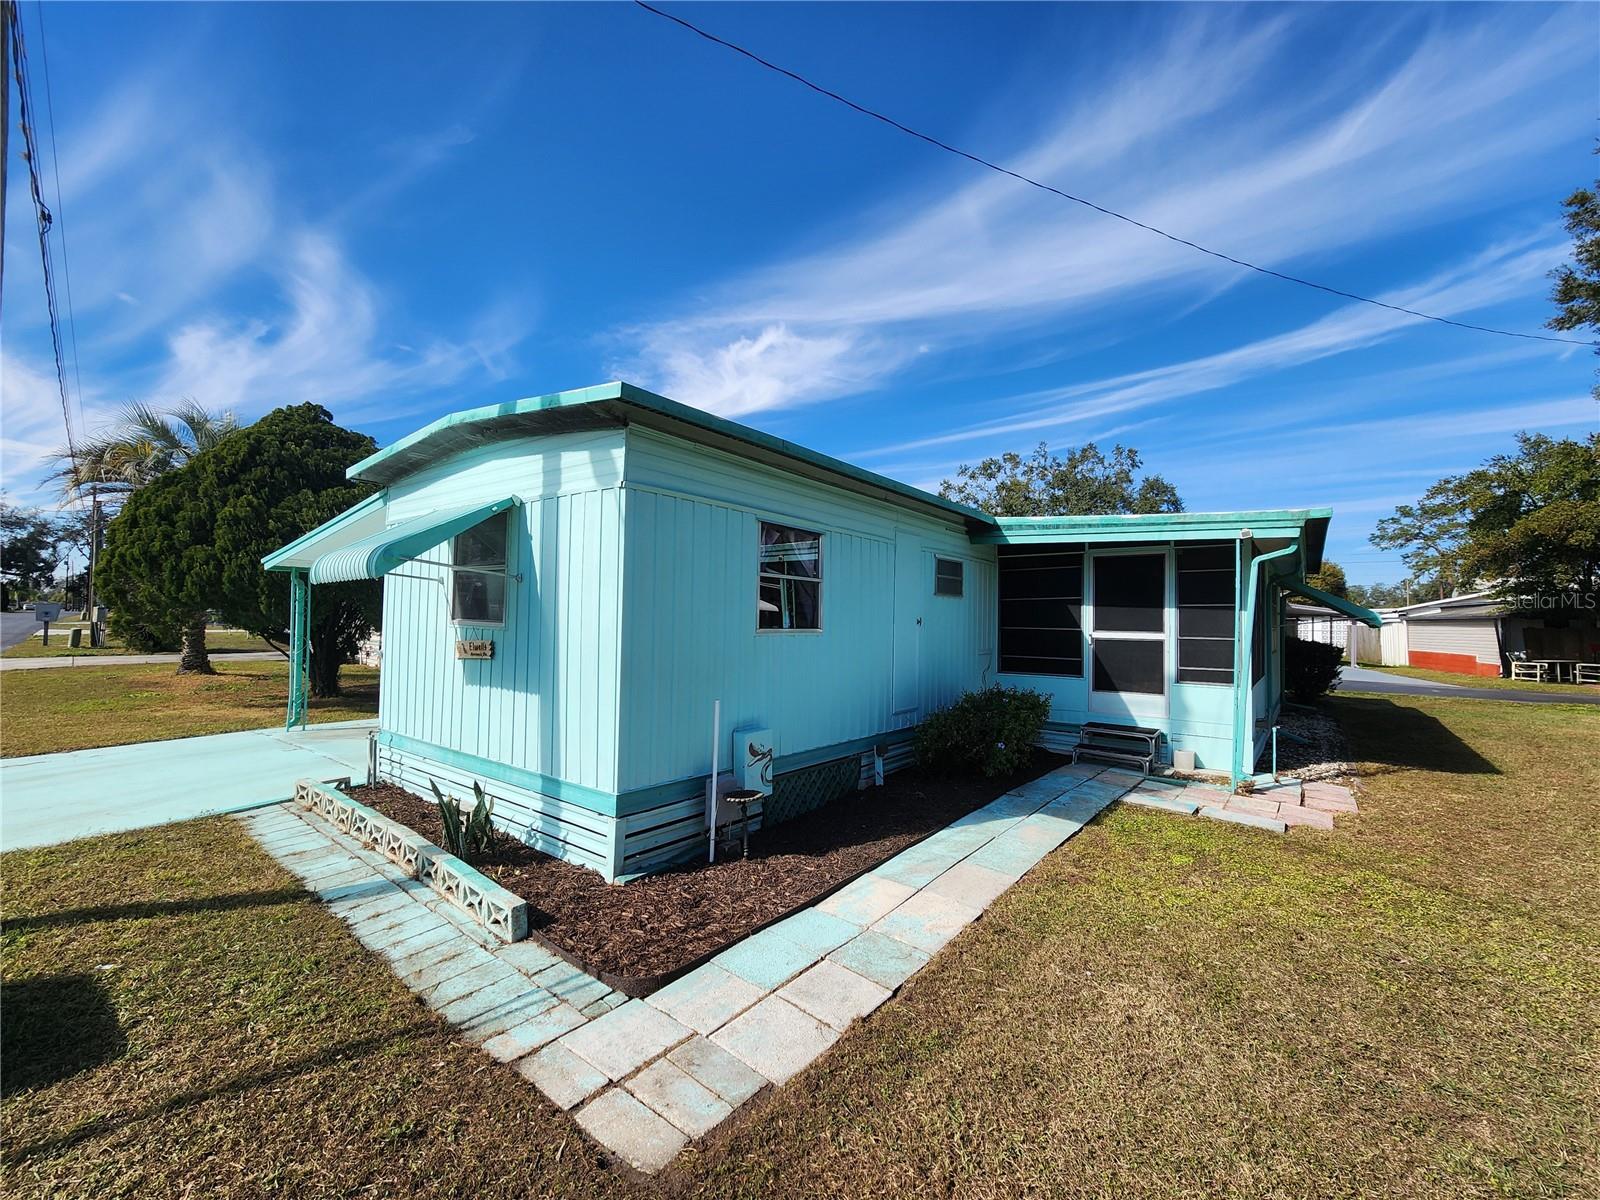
column 619, row 399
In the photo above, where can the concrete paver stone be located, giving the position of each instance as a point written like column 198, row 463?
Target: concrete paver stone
column 630, row 1130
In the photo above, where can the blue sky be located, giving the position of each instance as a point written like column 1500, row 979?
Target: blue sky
column 398, row 211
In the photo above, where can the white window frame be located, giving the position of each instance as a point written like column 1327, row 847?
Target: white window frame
column 961, row 577
column 762, row 576
column 503, row 570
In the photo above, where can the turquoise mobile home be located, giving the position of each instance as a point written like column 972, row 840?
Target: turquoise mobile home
column 572, row 582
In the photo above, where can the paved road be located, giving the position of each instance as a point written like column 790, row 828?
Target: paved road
column 127, row 660
column 53, row 798
column 1359, row 679
column 16, row 627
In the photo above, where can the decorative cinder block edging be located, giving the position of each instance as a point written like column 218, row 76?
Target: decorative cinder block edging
column 501, row 912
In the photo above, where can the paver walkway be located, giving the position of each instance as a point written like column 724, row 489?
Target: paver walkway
column 646, row 1076
column 1276, row 807
column 49, row 798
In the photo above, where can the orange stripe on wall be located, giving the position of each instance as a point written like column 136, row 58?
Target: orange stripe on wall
column 1460, row 664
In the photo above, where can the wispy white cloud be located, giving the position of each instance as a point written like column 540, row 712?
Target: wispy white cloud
column 1499, row 273
column 197, row 271
column 326, row 345
column 1372, row 146
column 31, row 427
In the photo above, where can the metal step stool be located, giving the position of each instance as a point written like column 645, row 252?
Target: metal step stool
column 1135, row 745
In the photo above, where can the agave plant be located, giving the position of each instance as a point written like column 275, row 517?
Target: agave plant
column 466, row 835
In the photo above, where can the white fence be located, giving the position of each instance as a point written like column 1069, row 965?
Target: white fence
column 1383, row 647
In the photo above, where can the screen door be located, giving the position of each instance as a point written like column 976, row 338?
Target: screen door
column 1128, row 634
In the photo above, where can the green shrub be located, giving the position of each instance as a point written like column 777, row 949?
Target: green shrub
column 1310, row 669
column 466, row 836
column 991, row 731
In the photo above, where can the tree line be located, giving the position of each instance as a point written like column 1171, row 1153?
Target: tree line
column 202, row 499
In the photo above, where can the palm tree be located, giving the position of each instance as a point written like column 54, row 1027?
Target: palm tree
column 141, row 445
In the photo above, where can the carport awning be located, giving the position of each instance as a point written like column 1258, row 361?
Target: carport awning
column 1349, row 608
column 377, row 554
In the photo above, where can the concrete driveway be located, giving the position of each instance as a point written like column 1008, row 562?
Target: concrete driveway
column 49, row 798
column 1360, row 679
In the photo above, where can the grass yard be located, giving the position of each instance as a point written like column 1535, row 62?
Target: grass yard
column 1409, row 1006
column 78, row 707
column 1488, row 681
column 218, row 641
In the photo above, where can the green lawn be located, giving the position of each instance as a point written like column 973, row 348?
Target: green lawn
column 218, row 641
column 1409, row 1006
column 77, row 707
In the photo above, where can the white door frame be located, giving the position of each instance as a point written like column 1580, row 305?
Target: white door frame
column 1129, row 704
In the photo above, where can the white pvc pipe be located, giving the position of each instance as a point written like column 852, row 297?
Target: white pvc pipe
column 711, row 791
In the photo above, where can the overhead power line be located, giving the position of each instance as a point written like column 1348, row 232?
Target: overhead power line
column 61, row 208
column 42, row 217
column 1099, row 208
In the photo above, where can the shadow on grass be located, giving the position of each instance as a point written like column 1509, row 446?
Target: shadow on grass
column 1407, row 739
column 245, row 1081
column 53, row 1027
column 154, row 908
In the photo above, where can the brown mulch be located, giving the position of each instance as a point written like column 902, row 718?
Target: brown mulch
column 658, row 925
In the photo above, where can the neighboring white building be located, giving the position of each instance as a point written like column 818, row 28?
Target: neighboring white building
column 1478, row 634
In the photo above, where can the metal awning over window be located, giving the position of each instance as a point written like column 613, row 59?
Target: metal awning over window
column 376, row 555
column 1349, row 608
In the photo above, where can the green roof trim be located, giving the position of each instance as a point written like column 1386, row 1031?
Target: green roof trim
column 619, row 404
column 1349, row 608
column 305, row 548
column 1258, row 524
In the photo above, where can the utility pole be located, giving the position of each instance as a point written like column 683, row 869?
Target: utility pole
column 96, row 634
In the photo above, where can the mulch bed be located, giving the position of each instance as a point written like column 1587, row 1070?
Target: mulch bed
column 655, row 927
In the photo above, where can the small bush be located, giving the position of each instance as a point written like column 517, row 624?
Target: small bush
column 991, row 731
column 470, row 835
column 1310, row 669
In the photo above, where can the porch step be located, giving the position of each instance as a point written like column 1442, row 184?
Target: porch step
column 1131, row 744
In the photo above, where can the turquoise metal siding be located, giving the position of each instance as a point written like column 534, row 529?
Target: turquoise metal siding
column 689, row 614
column 547, row 701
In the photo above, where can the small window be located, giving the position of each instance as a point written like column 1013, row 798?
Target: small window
column 949, row 574
column 478, row 573
column 790, row 594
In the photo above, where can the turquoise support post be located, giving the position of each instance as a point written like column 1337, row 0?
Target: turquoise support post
column 1244, row 743
column 299, row 647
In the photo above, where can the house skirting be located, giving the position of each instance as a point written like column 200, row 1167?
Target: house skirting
column 1459, row 664
column 620, row 835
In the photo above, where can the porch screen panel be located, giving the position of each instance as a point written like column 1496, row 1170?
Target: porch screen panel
column 1041, row 610
column 1130, row 666
column 1206, row 592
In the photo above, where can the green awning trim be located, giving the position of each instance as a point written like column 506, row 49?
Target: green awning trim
column 1349, row 608
column 375, row 556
